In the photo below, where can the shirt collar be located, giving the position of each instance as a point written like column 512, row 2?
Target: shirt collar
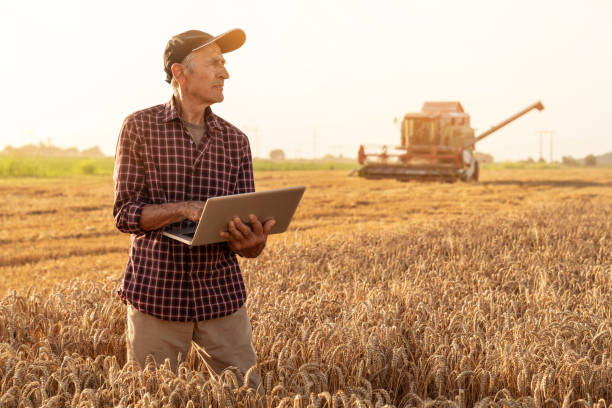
column 211, row 119
column 171, row 112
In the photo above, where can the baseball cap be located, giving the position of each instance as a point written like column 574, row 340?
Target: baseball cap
column 182, row 44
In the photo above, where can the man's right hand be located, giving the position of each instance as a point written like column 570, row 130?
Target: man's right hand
column 156, row 216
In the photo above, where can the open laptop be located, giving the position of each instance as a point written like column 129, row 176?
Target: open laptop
column 279, row 204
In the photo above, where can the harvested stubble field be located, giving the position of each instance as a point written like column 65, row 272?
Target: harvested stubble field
column 383, row 292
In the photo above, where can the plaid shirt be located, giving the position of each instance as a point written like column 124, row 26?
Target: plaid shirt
column 157, row 162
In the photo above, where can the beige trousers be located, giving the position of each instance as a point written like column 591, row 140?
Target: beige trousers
column 227, row 341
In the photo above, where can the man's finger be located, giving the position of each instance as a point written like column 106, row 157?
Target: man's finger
column 256, row 225
column 233, row 244
column 268, row 226
column 242, row 227
column 237, row 235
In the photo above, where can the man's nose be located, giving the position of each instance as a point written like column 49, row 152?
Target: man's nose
column 224, row 74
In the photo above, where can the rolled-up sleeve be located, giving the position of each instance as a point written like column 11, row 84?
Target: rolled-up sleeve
column 129, row 178
column 245, row 182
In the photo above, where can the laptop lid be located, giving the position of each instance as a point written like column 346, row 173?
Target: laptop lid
column 279, row 204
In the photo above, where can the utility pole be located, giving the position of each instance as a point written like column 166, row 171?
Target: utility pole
column 550, row 134
column 540, row 157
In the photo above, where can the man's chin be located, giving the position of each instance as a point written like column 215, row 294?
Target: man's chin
column 218, row 98
column 212, row 99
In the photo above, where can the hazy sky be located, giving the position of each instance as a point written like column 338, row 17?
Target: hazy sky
column 340, row 70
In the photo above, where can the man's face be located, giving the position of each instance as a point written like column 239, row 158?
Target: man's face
column 204, row 81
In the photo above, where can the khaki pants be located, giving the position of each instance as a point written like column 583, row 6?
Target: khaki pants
column 227, row 341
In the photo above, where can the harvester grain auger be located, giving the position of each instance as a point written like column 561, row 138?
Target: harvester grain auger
column 436, row 143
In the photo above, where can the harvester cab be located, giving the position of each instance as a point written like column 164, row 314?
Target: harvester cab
column 436, row 143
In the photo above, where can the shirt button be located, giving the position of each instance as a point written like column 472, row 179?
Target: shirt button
column 191, row 141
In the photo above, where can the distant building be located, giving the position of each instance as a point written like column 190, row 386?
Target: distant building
column 483, row 158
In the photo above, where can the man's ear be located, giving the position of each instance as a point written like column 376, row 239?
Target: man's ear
column 178, row 71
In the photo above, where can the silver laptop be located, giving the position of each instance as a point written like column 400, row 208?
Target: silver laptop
column 279, row 204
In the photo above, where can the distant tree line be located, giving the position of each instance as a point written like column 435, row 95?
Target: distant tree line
column 588, row 161
column 50, row 150
column 277, row 154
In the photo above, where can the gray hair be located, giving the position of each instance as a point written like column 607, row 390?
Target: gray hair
column 186, row 62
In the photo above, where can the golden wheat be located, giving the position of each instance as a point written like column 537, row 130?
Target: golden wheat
column 483, row 304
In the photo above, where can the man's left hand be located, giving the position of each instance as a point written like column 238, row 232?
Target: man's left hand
column 247, row 241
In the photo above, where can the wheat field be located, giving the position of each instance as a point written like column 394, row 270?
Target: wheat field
column 382, row 293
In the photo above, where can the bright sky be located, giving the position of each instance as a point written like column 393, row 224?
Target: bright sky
column 317, row 75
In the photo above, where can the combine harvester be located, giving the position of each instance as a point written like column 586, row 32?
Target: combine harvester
column 437, row 143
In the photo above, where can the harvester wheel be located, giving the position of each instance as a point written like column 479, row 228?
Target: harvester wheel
column 476, row 174
column 471, row 174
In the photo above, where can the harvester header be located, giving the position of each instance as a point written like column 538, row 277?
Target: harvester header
column 436, row 143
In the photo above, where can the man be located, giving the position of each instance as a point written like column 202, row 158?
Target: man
column 170, row 159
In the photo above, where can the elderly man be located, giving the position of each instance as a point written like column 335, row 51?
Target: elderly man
column 170, row 159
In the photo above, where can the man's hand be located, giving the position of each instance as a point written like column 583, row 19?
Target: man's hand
column 156, row 216
column 192, row 210
column 247, row 241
